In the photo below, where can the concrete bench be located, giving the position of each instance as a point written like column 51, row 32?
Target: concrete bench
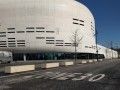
column 100, row 60
column 83, row 61
column 49, row 65
column 67, row 63
column 95, row 60
column 22, row 68
column 90, row 61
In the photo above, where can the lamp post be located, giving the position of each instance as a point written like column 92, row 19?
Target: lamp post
column 112, row 48
column 96, row 37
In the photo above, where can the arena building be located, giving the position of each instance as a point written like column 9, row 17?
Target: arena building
column 44, row 29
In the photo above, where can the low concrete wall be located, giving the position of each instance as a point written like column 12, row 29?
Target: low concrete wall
column 22, row 68
column 90, row 61
column 66, row 63
column 95, row 60
column 84, row 61
column 100, row 60
column 49, row 65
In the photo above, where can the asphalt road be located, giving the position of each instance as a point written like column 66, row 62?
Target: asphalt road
column 95, row 76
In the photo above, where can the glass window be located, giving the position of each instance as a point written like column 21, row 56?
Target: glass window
column 50, row 31
column 30, row 28
column 40, row 37
column 40, row 28
column 2, row 35
column 20, row 31
column 10, row 28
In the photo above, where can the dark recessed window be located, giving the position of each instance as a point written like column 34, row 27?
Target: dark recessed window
column 2, row 32
column 67, row 43
column 12, row 46
column 75, row 23
column 20, row 31
column 50, row 37
column 92, row 26
column 90, row 47
column 20, row 40
column 30, row 28
column 75, row 19
column 2, row 41
column 2, row 35
column 59, row 45
column 3, row 46
column 40, row 28
column 49, row 43
column 40, row 37
column 11, row 41
column 86, row 47
column 29, row 31
column 11, row 38
column 82, row 24
column 20, row 43
column 81, row 20
column 40, row 31
column 59, row 40
column 11, row 32
column 50, row 31
column 10, row 28
column 49, row 40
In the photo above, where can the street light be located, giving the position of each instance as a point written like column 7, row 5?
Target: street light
column 96, row 37
column 112, row 48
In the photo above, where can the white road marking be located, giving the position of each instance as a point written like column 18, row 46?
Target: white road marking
column 96, row 77
column 58, row 76
column 29, row 76
column 82, row 77
column 66, row 76
column 2, row 87
column 18, row 74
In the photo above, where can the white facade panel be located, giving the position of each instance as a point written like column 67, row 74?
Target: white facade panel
column 57, row 19
column 108, row 53
column 45, row 25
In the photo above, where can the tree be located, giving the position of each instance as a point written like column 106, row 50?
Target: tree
column 76, row 41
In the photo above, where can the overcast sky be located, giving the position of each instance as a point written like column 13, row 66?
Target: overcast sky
column 107, row 16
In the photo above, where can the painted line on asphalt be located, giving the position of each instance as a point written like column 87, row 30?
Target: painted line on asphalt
column 97, row 77
column 18, row 74
column 71, row 76
column 61, row 76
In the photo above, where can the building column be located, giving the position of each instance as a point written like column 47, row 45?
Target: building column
column 24, row 57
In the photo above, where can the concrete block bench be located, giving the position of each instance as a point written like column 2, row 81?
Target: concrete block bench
column 83, row 61
column 66, row 63
column 21, row 68
column 49, row 65
column 100, row 60
column 90, row 61
column 95, row 60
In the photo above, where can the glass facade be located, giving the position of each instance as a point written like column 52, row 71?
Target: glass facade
column 55, row 56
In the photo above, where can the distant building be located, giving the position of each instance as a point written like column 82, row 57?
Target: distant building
column 118, row 50
column 42, row 29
